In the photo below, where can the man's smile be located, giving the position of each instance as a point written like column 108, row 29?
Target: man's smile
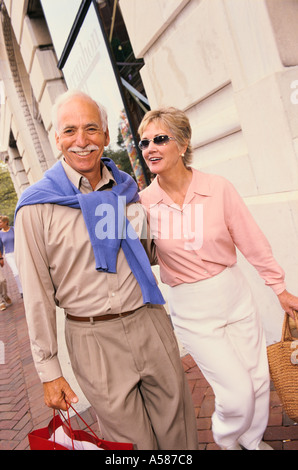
column 83, row 152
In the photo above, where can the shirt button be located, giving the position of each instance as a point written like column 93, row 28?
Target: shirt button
column 113, row 294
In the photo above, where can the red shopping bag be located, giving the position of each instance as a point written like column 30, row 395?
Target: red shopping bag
column 59, row 435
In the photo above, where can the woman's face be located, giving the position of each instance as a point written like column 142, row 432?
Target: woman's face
column 165, row 157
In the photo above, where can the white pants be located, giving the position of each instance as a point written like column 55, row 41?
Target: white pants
column 9, row 257
column 217, row 322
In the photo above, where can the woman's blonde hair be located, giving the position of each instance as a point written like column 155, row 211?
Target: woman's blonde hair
column 176, row 122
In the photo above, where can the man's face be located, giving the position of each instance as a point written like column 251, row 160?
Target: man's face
column 80, row 137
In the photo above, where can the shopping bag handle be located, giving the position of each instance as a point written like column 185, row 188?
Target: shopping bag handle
column 68, row 424
column 70, row 406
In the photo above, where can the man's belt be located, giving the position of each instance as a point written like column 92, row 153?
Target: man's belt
column 107, row 317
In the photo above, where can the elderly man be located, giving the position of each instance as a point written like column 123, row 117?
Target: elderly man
column 76, row 248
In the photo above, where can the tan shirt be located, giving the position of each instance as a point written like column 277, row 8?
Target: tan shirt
column 57, row 267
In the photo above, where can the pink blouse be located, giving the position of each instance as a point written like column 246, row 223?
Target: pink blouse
column 198, row 241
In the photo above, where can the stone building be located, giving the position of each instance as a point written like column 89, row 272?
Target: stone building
column 232, row 65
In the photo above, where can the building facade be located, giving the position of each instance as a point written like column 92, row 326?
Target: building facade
column 231, row 65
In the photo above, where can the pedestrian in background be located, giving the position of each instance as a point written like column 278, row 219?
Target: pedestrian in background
column 4, row 298
column 7, row 247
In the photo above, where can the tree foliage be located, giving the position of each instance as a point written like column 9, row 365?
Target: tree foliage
column 120, row 156
column 8, row 196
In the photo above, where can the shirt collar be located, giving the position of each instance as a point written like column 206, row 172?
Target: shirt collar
column 81, row 182
column 198, row 185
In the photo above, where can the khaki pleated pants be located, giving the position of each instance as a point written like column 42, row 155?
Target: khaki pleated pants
column 131, row 373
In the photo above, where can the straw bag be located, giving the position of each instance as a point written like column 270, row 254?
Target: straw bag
column 283, row 364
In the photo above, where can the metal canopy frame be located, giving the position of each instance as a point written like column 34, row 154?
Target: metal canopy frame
column 74, row 32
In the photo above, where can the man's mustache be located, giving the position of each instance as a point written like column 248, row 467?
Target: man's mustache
column 89, row 148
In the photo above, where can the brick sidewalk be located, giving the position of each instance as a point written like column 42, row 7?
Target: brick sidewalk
column 21, row 396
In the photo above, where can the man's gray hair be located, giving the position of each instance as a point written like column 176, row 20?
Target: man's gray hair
column 67, row 96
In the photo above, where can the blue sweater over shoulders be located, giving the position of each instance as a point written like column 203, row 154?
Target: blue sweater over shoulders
column 56, row 188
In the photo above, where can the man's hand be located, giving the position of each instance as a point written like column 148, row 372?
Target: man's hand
column 57, row 394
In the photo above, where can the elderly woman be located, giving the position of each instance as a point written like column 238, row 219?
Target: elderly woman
column 197, row 220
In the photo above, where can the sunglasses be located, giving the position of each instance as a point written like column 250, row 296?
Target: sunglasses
column 158, row 140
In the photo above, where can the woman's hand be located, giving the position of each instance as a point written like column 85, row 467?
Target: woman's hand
column 289, row 303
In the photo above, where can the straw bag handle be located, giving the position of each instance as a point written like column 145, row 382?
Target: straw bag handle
column 286, row 330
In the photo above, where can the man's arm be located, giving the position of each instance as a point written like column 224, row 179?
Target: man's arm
column 39, row 293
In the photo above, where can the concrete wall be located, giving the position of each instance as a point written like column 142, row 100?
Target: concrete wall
column 31, row 81
column 232, row 65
